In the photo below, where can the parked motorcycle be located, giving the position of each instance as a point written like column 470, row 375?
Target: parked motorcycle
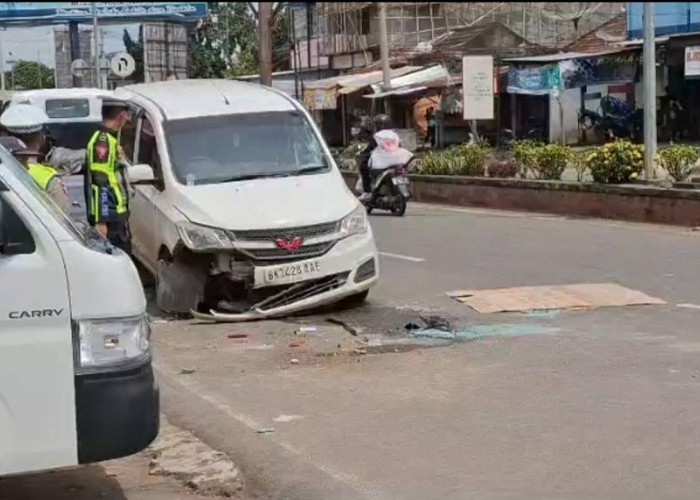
column 390, row 189
column 616, row 120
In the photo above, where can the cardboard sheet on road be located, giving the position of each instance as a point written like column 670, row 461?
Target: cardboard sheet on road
column 534, row 298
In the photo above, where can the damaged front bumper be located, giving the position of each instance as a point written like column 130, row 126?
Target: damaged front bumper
column 350, row 267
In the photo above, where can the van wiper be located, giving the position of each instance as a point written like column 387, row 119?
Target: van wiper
column 248, row 177
column 308, row 169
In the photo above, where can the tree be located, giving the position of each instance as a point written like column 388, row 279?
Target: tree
column 226, row 43
column 28, row 75
column 135, row 49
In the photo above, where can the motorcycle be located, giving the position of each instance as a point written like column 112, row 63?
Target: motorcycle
column 390, row 189
column 617, row 120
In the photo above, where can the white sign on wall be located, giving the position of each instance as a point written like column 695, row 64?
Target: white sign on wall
column 477, row 87
column 692, row 61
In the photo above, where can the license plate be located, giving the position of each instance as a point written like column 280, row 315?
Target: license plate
column 290, row 273
column 399, row 181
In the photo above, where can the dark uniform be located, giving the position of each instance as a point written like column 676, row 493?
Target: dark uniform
column 106, row 194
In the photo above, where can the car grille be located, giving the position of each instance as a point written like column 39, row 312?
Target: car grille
column 305, row 232
column 280, row 296
column 277, row 254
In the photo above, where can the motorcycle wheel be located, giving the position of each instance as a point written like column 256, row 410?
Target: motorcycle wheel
column 400, row 208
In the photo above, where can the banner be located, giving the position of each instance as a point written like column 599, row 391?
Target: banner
column 477, row 87
column 607, row 69
column 692, row 62
column 534, row 80
column 37, row 13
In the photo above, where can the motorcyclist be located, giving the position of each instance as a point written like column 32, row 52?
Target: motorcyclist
column 379, row 123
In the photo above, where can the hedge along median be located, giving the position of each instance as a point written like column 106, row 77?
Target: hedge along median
column 637, row 203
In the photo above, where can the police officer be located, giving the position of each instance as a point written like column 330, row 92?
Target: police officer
column 26, row 124
column 106, row 193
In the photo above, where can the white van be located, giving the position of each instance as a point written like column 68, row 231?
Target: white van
column 76, row 383
column 241, row 211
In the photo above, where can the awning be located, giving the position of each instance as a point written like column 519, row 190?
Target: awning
column 360, row 80
column 404, row 91
column 418, row 78
column 564, row 56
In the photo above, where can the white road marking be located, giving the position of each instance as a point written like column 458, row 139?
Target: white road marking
column 402, row 257
column 688, row 306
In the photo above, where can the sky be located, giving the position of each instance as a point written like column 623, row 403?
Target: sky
column 36, row 44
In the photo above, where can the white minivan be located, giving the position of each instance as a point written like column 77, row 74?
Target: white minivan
column 240, row 211
column 76, row 382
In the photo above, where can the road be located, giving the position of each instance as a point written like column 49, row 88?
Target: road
column 601, row 404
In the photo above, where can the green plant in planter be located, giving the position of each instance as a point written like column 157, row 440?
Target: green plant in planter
column 616, row 162
column 578, row 161
column 525, row 153
column 470, row 160
column 434, row 163
column 679, row 160
column 551, row 161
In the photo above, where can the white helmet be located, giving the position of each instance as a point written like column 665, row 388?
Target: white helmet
column 23, row 119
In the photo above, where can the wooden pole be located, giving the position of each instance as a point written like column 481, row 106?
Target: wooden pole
column 265, row 51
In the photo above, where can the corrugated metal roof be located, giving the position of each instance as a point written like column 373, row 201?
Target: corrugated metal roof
column 359, row 81
column 563, row 56
column 418, row 78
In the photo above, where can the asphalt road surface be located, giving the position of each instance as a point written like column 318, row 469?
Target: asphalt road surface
column 589, row 404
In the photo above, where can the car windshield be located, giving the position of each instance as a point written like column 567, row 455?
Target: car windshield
column 67, row 108
column 216, row 149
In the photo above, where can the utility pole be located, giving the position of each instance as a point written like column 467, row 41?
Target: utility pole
column 2, row 62
column 95, row 45
column 649, row 91
column 384, row 53
column 265, row 50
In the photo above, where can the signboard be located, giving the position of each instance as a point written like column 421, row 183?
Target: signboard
column 37, row 13
column 533, row 80
column 611, row 68
column 692, row 62
column 78, row 67
column 477, row 87
column 122, row 64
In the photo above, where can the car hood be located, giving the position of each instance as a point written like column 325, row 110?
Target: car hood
column 267, row 203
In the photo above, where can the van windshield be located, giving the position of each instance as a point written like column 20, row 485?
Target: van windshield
column 214, row 149
column 81, row 231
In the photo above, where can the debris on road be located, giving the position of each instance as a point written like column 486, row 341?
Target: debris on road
column 297, row 343
column 180, row 454
column 481, row 331
column 412, row 326
column 436, row 322
column 306, row 329
column 237, row 336
column 187, row 371
column 531, row 298
column 294, row 361
column 351, row 330
column 266, row 431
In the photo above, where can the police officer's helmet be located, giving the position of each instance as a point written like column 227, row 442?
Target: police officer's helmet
column 381, row 122
column 24, row 119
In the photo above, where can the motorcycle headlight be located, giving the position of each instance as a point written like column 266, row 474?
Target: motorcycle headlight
column 355, row 223
column 204, row 239
column 108, row 344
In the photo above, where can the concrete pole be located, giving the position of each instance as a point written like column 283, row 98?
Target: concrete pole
column 2, row 62
column 95, row 46
column 264, row 18
column 384, row 52
column 75, row 50
column 649, row 91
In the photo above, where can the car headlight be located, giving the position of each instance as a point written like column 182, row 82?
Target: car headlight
column 107, row 344
column 355, row 223
column 202, row 239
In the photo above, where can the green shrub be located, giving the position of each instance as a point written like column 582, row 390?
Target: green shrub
column 503, row 168
column 551, row 161
column 679, row 161
column 616, row 162
column 578, row 161
column 465, row 159
column 525, row 153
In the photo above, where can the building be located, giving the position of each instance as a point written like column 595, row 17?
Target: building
column 62, row 42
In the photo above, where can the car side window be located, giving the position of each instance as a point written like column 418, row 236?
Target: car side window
column 15, row 238
column 127, row 140
column 148, row 148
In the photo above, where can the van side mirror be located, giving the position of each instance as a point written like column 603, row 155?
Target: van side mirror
column 140, row 175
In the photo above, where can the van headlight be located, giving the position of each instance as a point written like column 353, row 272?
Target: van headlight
column 355, row 223
column 204, row 239
column 108, row 344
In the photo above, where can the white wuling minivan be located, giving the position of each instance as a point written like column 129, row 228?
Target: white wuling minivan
column 239, row 209
column 76, row 383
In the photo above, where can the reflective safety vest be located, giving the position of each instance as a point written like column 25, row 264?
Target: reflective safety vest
column 107, row 198
column 41, row 174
